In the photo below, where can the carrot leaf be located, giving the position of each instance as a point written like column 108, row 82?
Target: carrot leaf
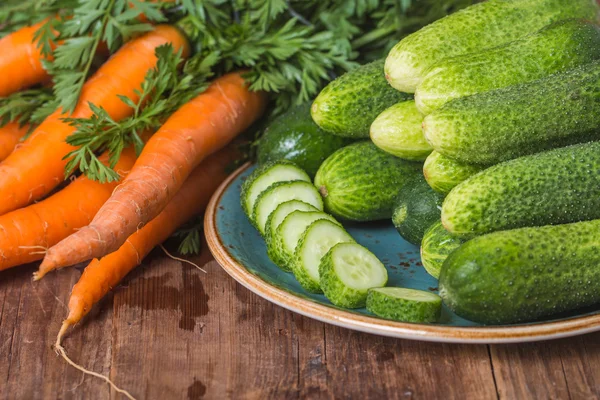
column 27, row 106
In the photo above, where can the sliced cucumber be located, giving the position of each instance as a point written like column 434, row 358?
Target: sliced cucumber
column 406, row 305
column 314, row 243
column 286, row 237
column 347, row 272
column 281, row 192
column 265, row 176
column 282, row 211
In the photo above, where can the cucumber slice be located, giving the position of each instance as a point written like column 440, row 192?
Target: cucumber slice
column 314, row 243
column 282, row 211
column 281, row 192
column 407, row 305
column 347, row 272
column 286, row 237
column 265, row 176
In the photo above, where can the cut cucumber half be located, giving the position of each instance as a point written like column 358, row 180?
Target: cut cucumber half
column 282, row 211
column 281, row 192
column 347, row 272
column 314, row 243
column 286, row 237
column 407, row 305
column 265, row 176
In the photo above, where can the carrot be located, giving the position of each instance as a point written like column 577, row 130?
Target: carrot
column 21, row 61
column 25, row 234
column 10, row 134
column 199, row 128
column 37, row 166
column 102, row 275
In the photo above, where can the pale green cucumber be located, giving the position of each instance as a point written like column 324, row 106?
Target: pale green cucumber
column 281, row 192
column 282, row 211
column 398, row 131
column 406, row 305
column 347, row 272
column 559, row 47
column 314, row 243
column 473, row 29
column 443, row 173
column 436, row 246
column 263, row 177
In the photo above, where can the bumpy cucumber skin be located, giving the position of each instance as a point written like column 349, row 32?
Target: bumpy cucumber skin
column 443, row 173
column 398, row 131
column 335, row 291
column 418, row 207
column 436, row 246
column 524, row 274
column 473, row 29
column 559, row 47
column 295, row 137
column 265, row 192
column 398, row 309
column 361, row 182
column 488, row 128
column 348, row 105
column 555, row 187
column 253, row 176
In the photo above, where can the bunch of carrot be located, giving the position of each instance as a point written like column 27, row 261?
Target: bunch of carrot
column 115, row 224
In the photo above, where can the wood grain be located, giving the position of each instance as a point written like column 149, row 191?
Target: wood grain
column 171, row 331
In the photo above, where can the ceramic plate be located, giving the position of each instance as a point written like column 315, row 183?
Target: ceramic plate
column 238, row 247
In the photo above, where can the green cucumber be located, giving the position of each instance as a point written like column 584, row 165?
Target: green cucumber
column 398, row 131
column 282, row 211
column 295, row 137
column 488, row 128
column 443, row 173
column 559, row 47
column 473, row 29
column 556, row 187
column 524, row 274
column 263, row 177
column 314, row 243
column 407, row 305
column 348, row 105
column 418, row 207
column 285, row 239
column 361, row 182
column 281, row 192
column 436, row 246
column 347, row 272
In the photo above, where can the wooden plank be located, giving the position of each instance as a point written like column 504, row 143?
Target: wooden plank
column 580, row 357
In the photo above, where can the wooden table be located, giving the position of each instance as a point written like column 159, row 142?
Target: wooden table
column 173, row 332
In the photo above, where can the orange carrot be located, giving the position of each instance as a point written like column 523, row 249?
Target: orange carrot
column 20, row 61
column 37, row 166
column 10, row 134
column 196, row 130
column 25, row 234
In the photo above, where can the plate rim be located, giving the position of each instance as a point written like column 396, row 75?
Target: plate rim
column 363, row 323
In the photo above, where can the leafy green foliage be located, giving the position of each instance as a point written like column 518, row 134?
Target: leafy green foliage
column 190, row 236
column 28, row 106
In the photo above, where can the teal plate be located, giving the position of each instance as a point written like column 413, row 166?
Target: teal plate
column 239, row 248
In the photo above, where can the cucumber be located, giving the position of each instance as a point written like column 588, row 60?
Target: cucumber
column 473, row 29
column 347, row 272
column 559, row 47
column 443, row 173
column 314, row 243
column 361, row 182
column 418, row 207
column 436, row 246
column 295, row 137
column 507, row 123
column 282, row 211
column 281, row 192
column 286, row 237
column 556, row 187
column 348, row 105
column 398, row 131
column 263, row 177
column 407, row 305
column 525, row 274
